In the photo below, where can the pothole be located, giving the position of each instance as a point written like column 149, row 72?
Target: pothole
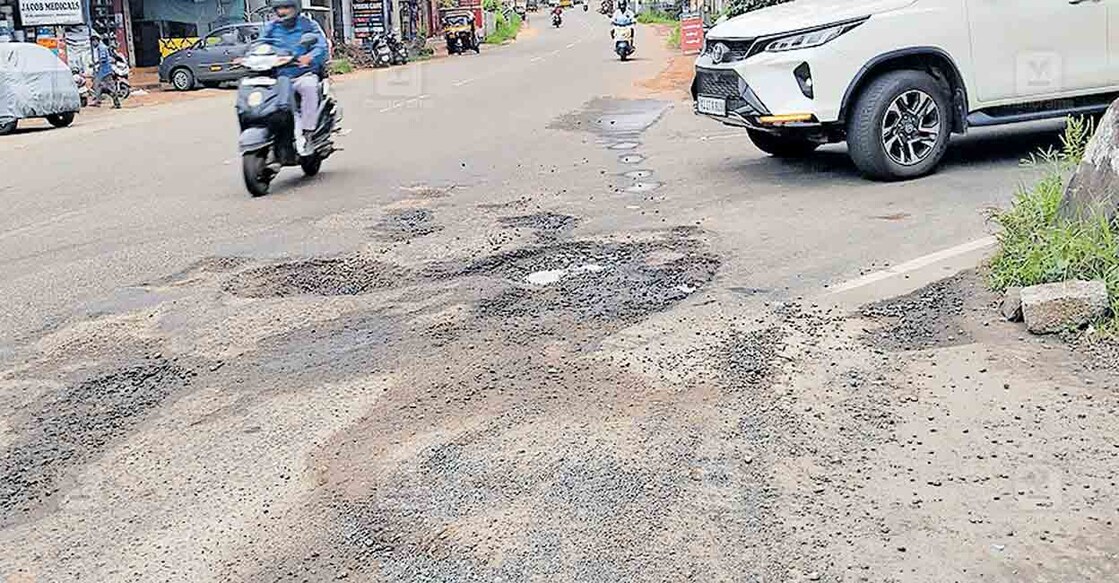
column 644, row 186
column 77, row 425
column 546, row 225
column 638, row 174
column 338, row 276
column 631, row 158
column 594, row 280
column 623, row 145
column 406, row 224
column 428, row 191
column 614, row 118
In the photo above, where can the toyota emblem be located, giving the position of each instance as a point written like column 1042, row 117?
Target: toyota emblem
column 719, row 52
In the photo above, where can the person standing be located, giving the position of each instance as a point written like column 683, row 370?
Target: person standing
column 102, row 71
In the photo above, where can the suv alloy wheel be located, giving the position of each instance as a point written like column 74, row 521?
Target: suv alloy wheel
column 900, row 125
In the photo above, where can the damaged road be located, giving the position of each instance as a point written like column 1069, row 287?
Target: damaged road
column 589, row 346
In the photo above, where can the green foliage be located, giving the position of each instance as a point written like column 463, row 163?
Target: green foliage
column 738, row 7
column 491, row 5
column 656, row 17
column 1036, row 246
column 505, row 28
column 674, row 37
column 339, row 66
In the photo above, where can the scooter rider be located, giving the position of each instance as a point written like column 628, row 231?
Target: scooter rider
column 623, row 16
column 285, row 32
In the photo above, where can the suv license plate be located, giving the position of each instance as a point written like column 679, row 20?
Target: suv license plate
column 711, row 105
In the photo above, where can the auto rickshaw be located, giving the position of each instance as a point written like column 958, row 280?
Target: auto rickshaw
column 458, row 30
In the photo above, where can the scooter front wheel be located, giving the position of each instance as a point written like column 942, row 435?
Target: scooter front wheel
column 254, row 166
column 310, row 164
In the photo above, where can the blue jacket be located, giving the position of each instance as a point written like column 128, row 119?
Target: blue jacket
column 102, row 61
column 287, row 39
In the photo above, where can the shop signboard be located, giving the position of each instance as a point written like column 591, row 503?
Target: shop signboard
column 50, row 12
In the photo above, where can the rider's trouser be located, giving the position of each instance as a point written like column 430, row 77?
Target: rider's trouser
column 307, row 87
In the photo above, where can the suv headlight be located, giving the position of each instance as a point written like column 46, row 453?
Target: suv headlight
column 811, row 38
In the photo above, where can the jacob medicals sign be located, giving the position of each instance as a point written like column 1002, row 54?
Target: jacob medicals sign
column 50, row 12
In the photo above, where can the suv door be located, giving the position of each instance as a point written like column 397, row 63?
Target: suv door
column 1033, row 49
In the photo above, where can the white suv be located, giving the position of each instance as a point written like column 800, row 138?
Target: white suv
column 894, row 78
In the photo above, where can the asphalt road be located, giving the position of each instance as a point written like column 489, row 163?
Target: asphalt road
column 533, row 322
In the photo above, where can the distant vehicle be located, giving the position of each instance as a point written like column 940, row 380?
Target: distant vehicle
column 895, row 78
column 35, row 83
column 211, row 60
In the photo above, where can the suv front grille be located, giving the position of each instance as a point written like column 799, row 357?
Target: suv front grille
column 717, row 83
column 727, row 84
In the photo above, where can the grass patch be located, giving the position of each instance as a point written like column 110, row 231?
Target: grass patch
column 1036, row 246
column 505, row 28
column 674, row 37
column 340, row 66
column 656, row 17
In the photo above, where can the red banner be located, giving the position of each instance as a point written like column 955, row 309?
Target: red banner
column 691, row 33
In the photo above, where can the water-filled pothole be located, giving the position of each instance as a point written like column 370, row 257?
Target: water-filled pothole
column 623, row 145
column 338, row 276
column 638, row 174
column 644, row 186
column 631, row 158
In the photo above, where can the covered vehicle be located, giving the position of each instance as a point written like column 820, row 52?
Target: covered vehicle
column 35, row 83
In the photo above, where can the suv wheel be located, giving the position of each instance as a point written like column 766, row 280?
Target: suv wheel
column 7, row 127
column 782, row 146
column 182, row 79
column 900, row 125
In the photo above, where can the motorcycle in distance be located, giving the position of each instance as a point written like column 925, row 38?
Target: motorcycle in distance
column 268, row 123
column 623, row 41
column 557, row 20
column 121, row 71
column 82, row 85
column 397, row 49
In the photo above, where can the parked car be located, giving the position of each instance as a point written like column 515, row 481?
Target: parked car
column 211, row 60
column 35, row 83
column 894, row 78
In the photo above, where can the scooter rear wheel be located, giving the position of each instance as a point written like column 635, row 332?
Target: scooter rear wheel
column 257, row 176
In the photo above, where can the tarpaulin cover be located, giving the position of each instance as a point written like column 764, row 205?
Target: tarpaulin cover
column 34, row 83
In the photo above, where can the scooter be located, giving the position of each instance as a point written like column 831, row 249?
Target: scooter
column 623, row 41
column 82, row 85
column 268, row 124
column 397, row 50
column 379, row 50
column 121, row 71
column 557, row 20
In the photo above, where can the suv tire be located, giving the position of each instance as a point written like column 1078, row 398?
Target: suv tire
column 899, row 126
column 782, row 146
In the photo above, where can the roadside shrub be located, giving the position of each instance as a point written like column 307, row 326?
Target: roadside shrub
column 739, row 7
column 1036, row 246
column 505, row 28
column 340, row 66
column 674, row 37
column 656, row 17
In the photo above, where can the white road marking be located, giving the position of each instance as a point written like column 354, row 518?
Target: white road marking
column 918, row 263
